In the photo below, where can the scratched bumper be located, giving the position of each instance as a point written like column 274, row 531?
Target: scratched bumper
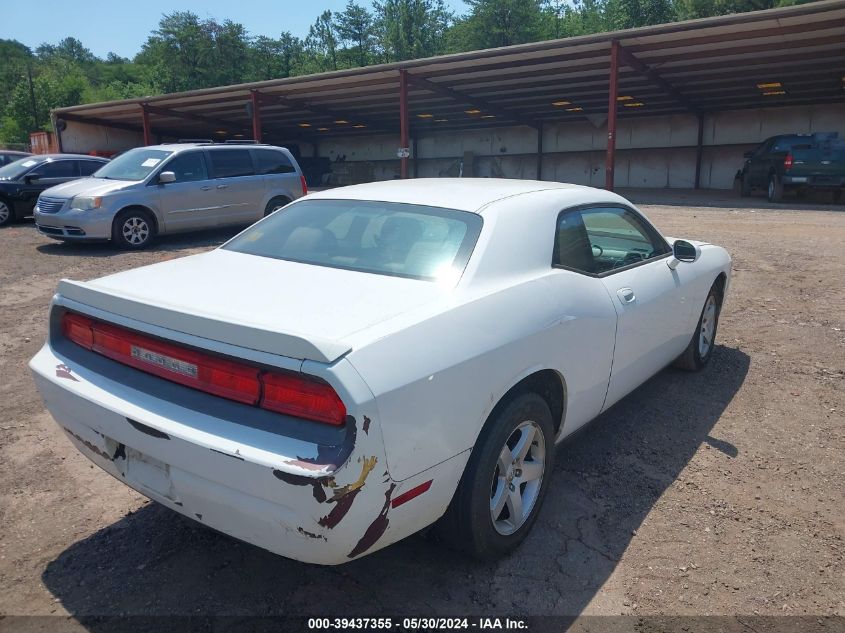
column 249, row 483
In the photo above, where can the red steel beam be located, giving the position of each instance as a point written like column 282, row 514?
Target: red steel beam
column 610, row 159
column 403, row 120
column 145, row 122
column 255, row 99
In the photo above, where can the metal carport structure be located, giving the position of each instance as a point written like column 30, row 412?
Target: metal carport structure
column 790, row 56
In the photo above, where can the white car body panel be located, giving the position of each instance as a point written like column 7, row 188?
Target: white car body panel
column 419, row 365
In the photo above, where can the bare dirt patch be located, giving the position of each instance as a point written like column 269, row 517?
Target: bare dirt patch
column 712, row 493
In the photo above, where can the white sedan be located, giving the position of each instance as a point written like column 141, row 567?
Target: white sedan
column 375, row 359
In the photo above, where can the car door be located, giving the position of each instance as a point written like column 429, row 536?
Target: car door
column 239, row 191
column 44, row 176
column 191, row 201
column 630, row 259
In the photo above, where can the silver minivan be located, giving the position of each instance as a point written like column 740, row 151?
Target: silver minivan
column 171, row 188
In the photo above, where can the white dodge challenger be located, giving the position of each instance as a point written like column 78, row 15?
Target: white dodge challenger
column 372, row 360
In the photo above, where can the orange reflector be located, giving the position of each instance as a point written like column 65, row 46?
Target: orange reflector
column 413, row 493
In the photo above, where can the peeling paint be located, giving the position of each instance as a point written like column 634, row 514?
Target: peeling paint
column 238, row 457
column 316, row 483
column 198, row 515
column 366, row 426
column 366, row 468
column 63, row 371
column 340, row 509
column 376, row 528
column 331, row 457
column 119, row 452
column 310, row 534
column 91, row 447
column 148, row 430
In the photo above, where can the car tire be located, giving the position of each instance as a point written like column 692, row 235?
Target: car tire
column 7, row 212
column 275, row 204
column 744, row 187
column 494, row 476
column 133, row 229
column 700, row 348
column 775, row 189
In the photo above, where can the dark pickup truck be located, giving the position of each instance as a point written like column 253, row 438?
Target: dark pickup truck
column 794, row 162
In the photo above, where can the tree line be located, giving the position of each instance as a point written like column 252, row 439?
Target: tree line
column 187, row 52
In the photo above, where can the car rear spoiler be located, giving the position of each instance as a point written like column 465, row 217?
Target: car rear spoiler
column 239, row 334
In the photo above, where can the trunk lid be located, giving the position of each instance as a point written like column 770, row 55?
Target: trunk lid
column 286, row 308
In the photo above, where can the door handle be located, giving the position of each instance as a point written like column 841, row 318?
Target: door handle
column 206, row 188
column 626, row 295
column 222, row 186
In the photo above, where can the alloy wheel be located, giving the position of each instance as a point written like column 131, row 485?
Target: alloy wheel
column 517, row 478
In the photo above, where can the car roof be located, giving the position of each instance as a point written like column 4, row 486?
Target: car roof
column 463, row 194
column 57, row 156
column 14, row 152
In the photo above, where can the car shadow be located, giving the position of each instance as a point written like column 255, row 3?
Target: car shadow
column 730, row 200
column 608, row 477
column 164, row 243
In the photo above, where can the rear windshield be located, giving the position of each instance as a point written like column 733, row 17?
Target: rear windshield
column 136, row 164
column 404, row 240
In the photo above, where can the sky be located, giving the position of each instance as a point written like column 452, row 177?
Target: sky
column 104, row 26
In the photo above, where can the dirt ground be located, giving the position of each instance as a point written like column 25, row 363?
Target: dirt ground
column 699, row 494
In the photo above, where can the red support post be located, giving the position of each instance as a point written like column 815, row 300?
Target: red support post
column 403, row 121
column 255, row 97
column 699, row 150
column 145, row 119
column 610, row 160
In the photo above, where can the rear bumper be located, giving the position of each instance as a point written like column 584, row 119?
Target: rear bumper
column 815, row 181
column 243, row 481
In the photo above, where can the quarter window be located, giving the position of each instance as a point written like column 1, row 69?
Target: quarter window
column 601, row 240
column 231, row 163
column 273, row 162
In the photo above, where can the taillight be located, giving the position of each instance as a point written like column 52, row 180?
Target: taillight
column 302, row 398
column 283, row 393
column 304, row 184
column 787, row 162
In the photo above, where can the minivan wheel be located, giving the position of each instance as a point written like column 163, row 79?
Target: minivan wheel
column 275, row 204
column 6, row 213
column 504, row 483
column 133, row 229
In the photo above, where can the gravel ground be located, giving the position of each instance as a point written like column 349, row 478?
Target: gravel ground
column 699, row 494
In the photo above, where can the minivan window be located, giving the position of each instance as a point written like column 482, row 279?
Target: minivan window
column 387, row 238
column 188, row 167
column 231, row 163
column 272, row 161
column 136, row 164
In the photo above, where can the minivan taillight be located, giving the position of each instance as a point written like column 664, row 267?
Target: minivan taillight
column 289, row 394
column 304, row 184
column 787, row 162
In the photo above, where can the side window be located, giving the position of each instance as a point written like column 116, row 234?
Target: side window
column 619, row 237
column 56, row 169
column 600, row 240
column 88, row 167
column 231, row 163
column 273, row 162
column 188, row 167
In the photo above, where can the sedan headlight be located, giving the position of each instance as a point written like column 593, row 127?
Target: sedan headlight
column 86, row 202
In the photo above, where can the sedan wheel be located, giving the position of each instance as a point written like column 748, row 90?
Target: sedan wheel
column 6, row 214
column 504, row 482
column 707, row 327
column 517, row 478
column 700, row 348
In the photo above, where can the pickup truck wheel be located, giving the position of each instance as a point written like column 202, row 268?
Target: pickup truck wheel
column 133, row 229
column 505, row 481
column 7, row 214
column 700, row 348
column 775, row 190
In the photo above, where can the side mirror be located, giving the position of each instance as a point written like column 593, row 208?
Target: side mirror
column 166, row 177
column 32, row 178
column 683, row 251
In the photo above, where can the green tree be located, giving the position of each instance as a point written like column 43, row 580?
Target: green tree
column 321, row 42
column 356, row 28
column 493, row 23
column 410, row 29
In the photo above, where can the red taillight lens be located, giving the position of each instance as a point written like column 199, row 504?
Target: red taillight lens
column 787, row 162
column 283, row 393
column 304, row 184
column 302, row 398
column 77, row 328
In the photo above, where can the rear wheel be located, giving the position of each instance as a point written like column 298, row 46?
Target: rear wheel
column 775, row 190
column 700, row 348
column 7, row 213
column 133, row 229
column 275, row 204
column 505, row 481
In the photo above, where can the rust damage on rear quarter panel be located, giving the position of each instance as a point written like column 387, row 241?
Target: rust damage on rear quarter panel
column 376, row 528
